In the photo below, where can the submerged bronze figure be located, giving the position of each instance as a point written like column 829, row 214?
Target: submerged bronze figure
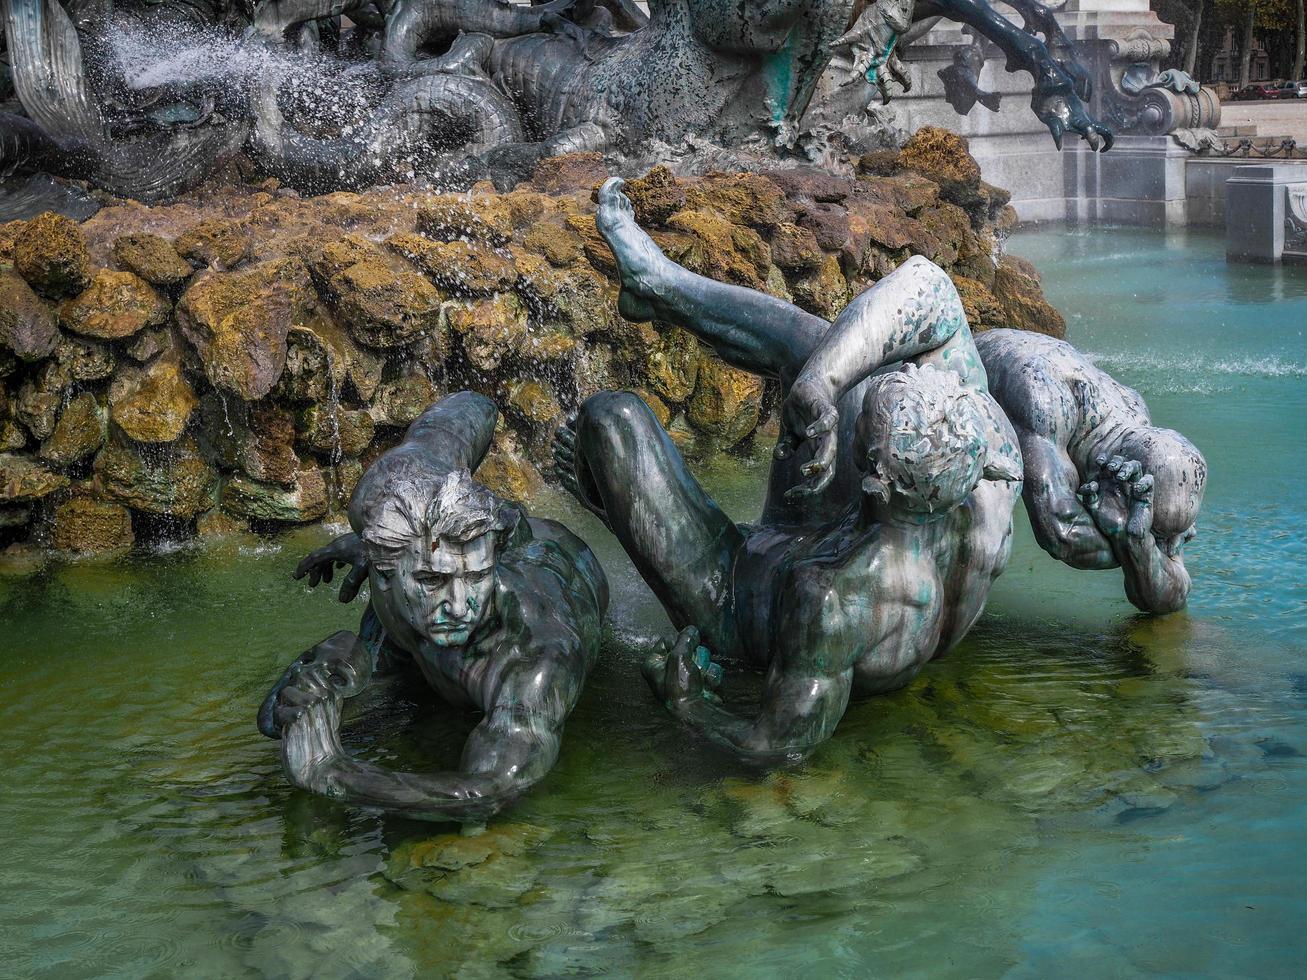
column 889, row 508
column 1104, row 486
column 496, row 610
column 890, row 500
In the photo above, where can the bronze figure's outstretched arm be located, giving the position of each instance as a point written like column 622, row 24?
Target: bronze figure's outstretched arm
column 1061, row 86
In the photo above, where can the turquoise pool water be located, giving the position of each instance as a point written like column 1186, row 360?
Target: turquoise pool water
column 1076, row 791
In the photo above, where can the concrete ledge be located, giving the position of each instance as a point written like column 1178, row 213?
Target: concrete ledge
column 1257, row 200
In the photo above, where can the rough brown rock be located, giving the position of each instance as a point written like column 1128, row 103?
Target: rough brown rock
column 464, row 268
column 386, row 307
column 238, row 322
column 87, row 526
column 78, row 434
column 50, row 253
column 258, row 439
column 508, row 474
column 726, row 251
column 556, row 242
column 672, row 367
column 85, row 360
column 980, row 305
column 153, row 403
column 23, row 479
column 402, row 400
column 570, row 172
column 332, row 431
column 304, row 501
column 218, row 242
column 27, row 326
column 940, row 155
column 742, row 198
column 725, row 404
column 491, row 329
column 114, row 306
column 152, row 258
column 40, row 398
column 1016, row 284
column 453, row 217
column 823, row 292
column 656, row 196
column 795, row 248
column 171, row 480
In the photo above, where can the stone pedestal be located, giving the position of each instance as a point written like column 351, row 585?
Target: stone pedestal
column 1258, row 197
column 1140, row 181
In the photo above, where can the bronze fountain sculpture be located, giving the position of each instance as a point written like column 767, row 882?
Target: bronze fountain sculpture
column 905, row 444
column 461, row 90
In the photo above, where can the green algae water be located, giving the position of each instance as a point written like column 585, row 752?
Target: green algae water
column 1076, row 791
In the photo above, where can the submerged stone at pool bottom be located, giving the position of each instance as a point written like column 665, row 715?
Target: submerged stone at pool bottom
column 634, row 843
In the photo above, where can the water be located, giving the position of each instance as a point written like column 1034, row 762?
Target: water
column 1077, row 790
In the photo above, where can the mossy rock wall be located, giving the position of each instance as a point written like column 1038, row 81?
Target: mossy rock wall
column 237, row 358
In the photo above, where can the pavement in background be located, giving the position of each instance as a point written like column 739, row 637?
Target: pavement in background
column 1287, row 118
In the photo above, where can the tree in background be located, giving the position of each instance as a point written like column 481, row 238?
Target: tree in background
column 1201, row 27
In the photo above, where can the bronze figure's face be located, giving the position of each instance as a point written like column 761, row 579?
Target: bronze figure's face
column 454, row 588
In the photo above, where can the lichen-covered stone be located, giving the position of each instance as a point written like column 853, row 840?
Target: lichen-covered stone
column 50, row 253
column 152, row 258
column 578, row 299
column 78, row 434
column 656, row 405
column 980, row 305
column 153, row 403
column 508, row 474
column 824, row 292
column 672, row 367
column 464, row 268
column 332, row 431
column 149, row 344
column 87, row 526
column 726, row 251
column 796, row 248
column 85, row 360
column 326, row 261
column 491, row 329
column 257, row 439
column 40, row 397
column 1016, row 284
column 218, row 242
column 906, row 192
column 12, row 436
column 114, row 306
column 23, row 479
column 171, row 480
column 742, row 198
column 533, row 402
column 557, row 242
column 453, row 217
column 878, row 163
column 215, row 524
column 402, row 400
column 813, row 183
column 726, row 403
column 238, row 322
column 305, row 501
column 386, row 307
column 656, row 196
column 28, row 327
column 940, row 155
column 321, row 359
